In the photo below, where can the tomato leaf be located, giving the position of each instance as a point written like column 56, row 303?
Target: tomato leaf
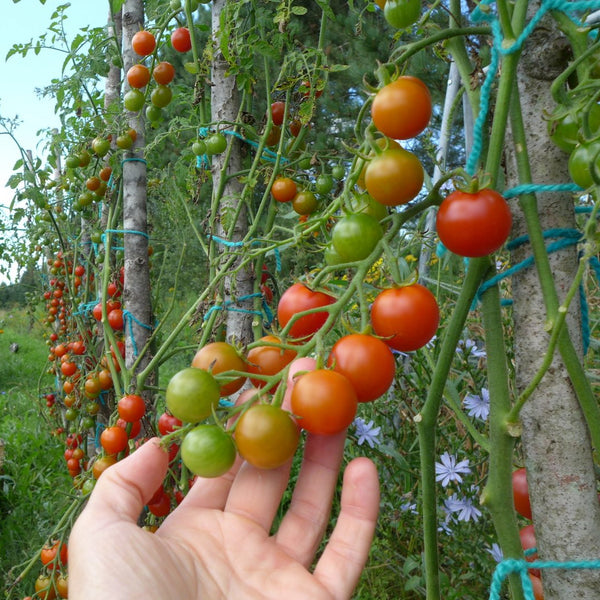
column 299, row 10
column 115, row 6
column 191, row 67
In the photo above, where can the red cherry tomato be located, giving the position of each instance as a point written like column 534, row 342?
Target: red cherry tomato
column 521, row 493
column 366, row 361
column 473, row 225
column 405, row 317
column 297, row 299
column 181, row 39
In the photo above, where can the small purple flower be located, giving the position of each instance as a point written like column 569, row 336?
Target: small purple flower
column 449, row 469
column 367, row 432
column 478, row 406
column 496, row 552
column 469, row 347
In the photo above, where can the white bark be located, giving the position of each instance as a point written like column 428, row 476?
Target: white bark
column 555, row 437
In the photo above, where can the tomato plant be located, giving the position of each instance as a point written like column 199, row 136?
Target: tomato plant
column 297, row 299
column 131, row 408
column 138, row 76
column 405, row 317
column 473, row 224
column 163, row 73
column 143, row 43
column 323, row 401
column 394, row 177
column 181, row 39
column 268, row 359
column 266, row 436
column 192, row 394
column 218, row 357
column 284, row 189
column 402, row 109
column 402, row 13
column 208, row 451
column 521, row 493
column 366, row 361
column 355, row 236
column 54, row 555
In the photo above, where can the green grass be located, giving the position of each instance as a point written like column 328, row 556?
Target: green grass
column 34, row 485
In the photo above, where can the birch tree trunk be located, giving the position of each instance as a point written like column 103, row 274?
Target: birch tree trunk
column 136, row 289
column 556, row 441
column 225, row 106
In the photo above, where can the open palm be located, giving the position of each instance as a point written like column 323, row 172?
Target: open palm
column 217, row 543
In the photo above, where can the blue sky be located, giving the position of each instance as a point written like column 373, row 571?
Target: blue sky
column 19, row 77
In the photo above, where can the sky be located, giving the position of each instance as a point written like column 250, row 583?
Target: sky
column 19, row 77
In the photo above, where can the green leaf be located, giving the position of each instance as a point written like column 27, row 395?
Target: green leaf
column 299, row 10
column 191, row 67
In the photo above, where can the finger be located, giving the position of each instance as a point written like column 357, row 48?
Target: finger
column 256, row 493
column 346, row 553
column 211, row 492
column 304, row 524
column 124, row 488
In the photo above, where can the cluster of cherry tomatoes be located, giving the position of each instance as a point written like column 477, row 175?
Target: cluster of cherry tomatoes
column 53, row 581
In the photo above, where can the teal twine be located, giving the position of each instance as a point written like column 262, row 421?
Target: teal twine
column 520, row 566
column 123, row 231
column 133, row 159
column 85, row 308
column 229, row 305
column 226, row 403
column 277, row 260
column 585, row 319
column 225, row 242
column 532, row 188
column 99, row 429
column 130, row 319
column 566, row 237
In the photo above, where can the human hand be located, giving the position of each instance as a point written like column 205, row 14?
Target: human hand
column 216, row 544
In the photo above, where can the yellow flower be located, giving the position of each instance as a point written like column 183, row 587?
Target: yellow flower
column 410, row 258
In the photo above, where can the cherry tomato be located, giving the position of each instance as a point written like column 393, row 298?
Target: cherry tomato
column 305, row 202
column 538, row 590
column 402, row 13
column 324, row 183
column 138, row 76
column 565, row 131
column 218, row 357
column 366, row 361
column 363, row 203
column 405, row 317
column 394, row 177
column 473, row 224
column 143, row 43
column 113, row 439
column 402, row 109
column 163, row 73
column 62, row 585
column 115, row 319
column 131, row 408
column 134, row 100
column 324, row 401
column 266, row 436
column 101, row 464
column 528, row 541
column 297, row 299
column 54, row 555
column 521, row 493
column 168, row 423
column 268, row 360
column 355, row 236
column 44, row 588
column 181, row 39
column 162, row 507
column 208, row 451
column 216, row 143
column 161, row 96
column 584, row 157
column 192, row 394
column 284, row 189
column 277, row 112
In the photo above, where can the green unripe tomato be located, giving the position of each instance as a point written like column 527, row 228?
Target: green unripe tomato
column 192, row 394
column 133, row 100
column 100, row 146
column 199, row 148
column 153, row 113
column 583, row 159
column 402, row 13
column 208, row 451
column 216, row 143
column 161, row 96
column 324, row 183
column 338, row 172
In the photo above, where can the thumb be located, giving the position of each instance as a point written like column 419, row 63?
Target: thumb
column 125, row 487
